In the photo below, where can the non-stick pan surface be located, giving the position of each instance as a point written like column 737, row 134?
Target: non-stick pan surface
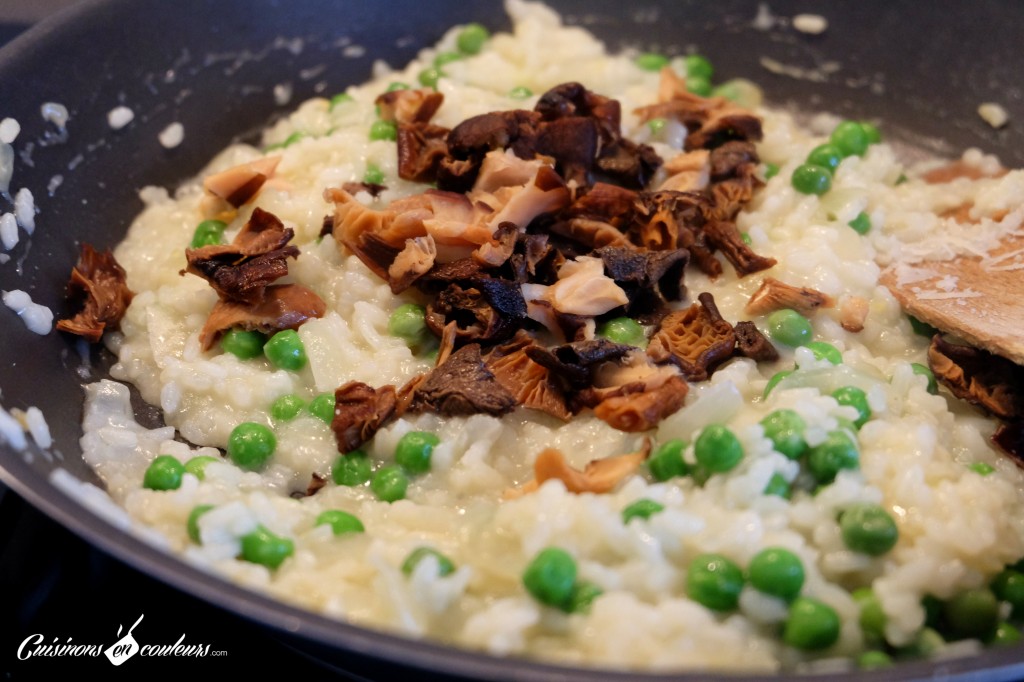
column 922, row 69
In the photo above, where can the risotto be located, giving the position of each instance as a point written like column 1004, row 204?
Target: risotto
column 825, row 504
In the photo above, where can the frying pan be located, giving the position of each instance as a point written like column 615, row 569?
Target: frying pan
column 212, row 66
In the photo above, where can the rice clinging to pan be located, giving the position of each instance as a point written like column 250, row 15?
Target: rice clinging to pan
column 565, row 448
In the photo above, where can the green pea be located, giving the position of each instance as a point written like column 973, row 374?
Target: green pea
column 927, row 643
column 192, row 525
column 785, row 429
column 1009, row 587
column 651, row 61
column 397, row 85
column 288, row 141
column 341, row 522
column 872, row 131
column 972, row 614
column 1004, row 634
column 656, row 125
column 322, row 407
column 471, row 39
column 811, row 625
column 901, row 179
column 408, row 322
column 389, row 483
column 698, row 86
column 811, row 179
column 384, row 130
column 623, row 330
column 717, row 449
column 285, row 350
column 872, row 618
column 163, row 473
column 583, row 595
column 714, row 581
column 197, row 466
column 520, row 92
column 850, row 138
column 926, row 372
column 778, row 486
column 873, row 660
column 789, row 327
column 641, row 509
column 243, row 344
column 444, row 564
column 250, row 445
column 775, row 379
column 414, row 451
column 868, row 529
column 667, row 461
column 429, row 77
column 825, row 155
column 777, row 572
column 981, row 468
column 861, row 224
column 857, row 399
column 922, row 328
column 770, row 170
column 352, row 469
column 745, row 236
column 443, row 58
column 823, row 350
column 287, row 407
column 373, row 175
column 696, row 65
column 207, row 233
column 551, row 576
column 827, row 459
column 265, row 548
column 339, row 99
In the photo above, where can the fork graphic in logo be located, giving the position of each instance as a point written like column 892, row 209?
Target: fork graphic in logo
column 124, row 648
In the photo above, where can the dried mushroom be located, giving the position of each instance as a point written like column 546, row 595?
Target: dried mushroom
column 751, row 343
column 239, row 184
column 979, row 377
column 409, row 106
column 599, row 475
column 360, row 411
column 283, row 306
column 98, row 286
column 775, row 295
column 695, row 339
column 462, row 385
column 531, row 383
column 641, row 405
column 1010, row 439
column 483, row 309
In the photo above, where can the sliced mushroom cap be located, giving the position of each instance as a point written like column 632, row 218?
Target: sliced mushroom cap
column 470, row 141
column 775, row 295
column 725, row 236
column 463, row 385
column 599, row 476
column 421, row 147
column 530, row 382
column 412, row 262
column 239, row 184
column 409, row 106
column 638, row 407
column 98, row 286
column 649, row 278
column 979, row 377
column 360, row 411
column 483, row 309
column 695, row 339
column 282, row 306
column 575, row 362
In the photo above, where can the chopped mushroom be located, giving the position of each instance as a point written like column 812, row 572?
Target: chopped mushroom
column 463, row 385
column 239, row 184
column 649, row 278
column 725, row 236
column 582, row 289
column 98, row 285
column 574, row 363
column 688, row 171
column 421, row 147
column 409, row 106
column 241, row 271
column 695, row 339
column 775, row 295
column 751, row 343
column 283, row 306
column 637, row 407
column 530, row 382
column 485, row 309
column 599, row 476
column 360, row 411
column 415, row 260
column 979, row 377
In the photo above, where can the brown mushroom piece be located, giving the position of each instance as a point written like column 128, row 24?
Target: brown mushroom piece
column 649, row 278
column 979, row 377
column 751, row 343
column 462, row 385
column 670, row 220
column 575, row 362
column 484, row 309
column 353, row 188
column 470, row 141
column 573, row 143
column 775, row 295
column 530, row 382
column 725, row 236
column 409, row 106
column 638, row 407
column 688, row 172
column 1009, row 437
column 360, row 411
column 695, row 339
column 98, row 286
column 599, row 475
column 239, row 184
column 628, row 163
column 421, row 147
column 241, row 271
column 415, row 260
column 283, row 306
